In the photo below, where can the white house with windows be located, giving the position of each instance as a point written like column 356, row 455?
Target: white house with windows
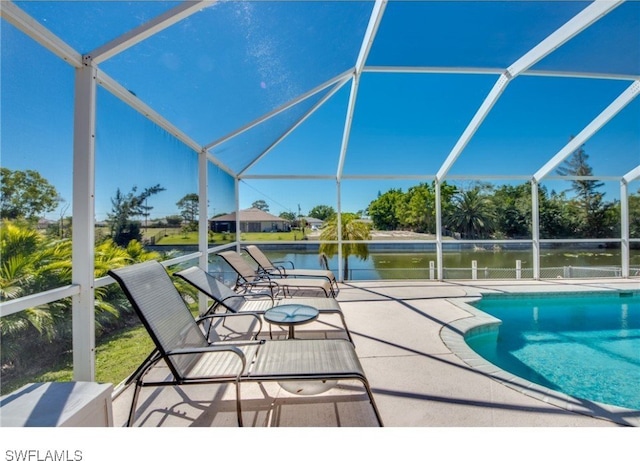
column 251, row 220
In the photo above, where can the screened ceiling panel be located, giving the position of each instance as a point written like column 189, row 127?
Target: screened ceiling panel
column 241, row 151
column 236, row 61
column 414, row 119
column 86, row 25
column 313, row 148
column 466, row 33
column 611, row 45
column 533, row 119
column 233, row 62
column 36, row 112
column 615, row 149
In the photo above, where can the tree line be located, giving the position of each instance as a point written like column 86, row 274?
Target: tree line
column 477, row 211
column 485, row 211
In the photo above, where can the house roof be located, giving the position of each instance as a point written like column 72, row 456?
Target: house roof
column 312, row 221
column 250, row 215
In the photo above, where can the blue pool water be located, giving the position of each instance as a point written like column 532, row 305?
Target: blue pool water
column 587, row 347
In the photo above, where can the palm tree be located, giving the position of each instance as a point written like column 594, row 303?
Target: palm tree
column 22, row 259
column 472, row 215
column 32, row 263
column 354, row 231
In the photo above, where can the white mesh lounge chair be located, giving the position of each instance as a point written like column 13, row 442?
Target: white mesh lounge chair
column 248, row 279
column 192, row 359
column 277, row 268
column 225, row 297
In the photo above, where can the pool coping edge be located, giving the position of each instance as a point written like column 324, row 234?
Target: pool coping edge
column 453, row 336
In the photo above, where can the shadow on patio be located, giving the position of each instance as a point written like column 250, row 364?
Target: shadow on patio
column 417, row 380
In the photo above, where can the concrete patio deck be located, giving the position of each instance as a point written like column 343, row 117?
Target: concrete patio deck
column 403, row 336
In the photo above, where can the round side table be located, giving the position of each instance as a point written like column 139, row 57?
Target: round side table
column 290, row 315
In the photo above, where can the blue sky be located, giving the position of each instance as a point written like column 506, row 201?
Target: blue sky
column 231, row 63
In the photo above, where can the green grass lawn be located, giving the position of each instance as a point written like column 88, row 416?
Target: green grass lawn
column 117, row 356
column 191, row 238
column 121, row 354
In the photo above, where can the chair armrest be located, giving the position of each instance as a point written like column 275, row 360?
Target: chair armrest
column 232, row 314
column 265, row 282
column 277, row 271
column 217, row 347
column 283, row 262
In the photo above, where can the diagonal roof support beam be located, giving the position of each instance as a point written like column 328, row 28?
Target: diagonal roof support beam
column 310, row 112
column 146, row 30
column 496, row 71
column 370, row 34
column 279, row 110
column 474, row 124
column 128, row 98
column 632, row 175
column 367, row 42
column 22, row 21
column 592, row 128
column 566, row 32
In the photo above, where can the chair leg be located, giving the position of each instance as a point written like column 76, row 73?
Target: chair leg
column 346, row 329
column 134, row 402
column 373, row 402
column 238, row 404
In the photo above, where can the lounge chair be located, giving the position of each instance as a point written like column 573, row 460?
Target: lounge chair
column 248, row 278
column 277, row 268
column 192, row 359
column 225, row 297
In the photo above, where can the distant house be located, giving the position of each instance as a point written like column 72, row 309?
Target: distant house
column 251, row 220
column 312, row 223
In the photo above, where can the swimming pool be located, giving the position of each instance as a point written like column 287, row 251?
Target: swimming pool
column 586, row 346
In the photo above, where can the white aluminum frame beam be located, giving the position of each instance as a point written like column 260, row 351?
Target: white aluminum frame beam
column 146, row 30
column 494, row 71
column 624, row 227
column 372, row 28
column 564, row 33
column 125, row 96
column 346, row 133
column 203, row 222
column 236, row 184
column 14, row 306
column 474, row 124
column 432, row 70
column 22, row 21
column 278, row 110
column 535, row 228
column 439, row 258
column 339, row 230
column 83, row 242
column 592, row 128
column 289, row 176
column 632, row 175
column 310, row 112
column 590, row 75
column 624, row 218
column 120, row 92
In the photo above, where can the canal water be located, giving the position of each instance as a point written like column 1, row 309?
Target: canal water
column 391, row 264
